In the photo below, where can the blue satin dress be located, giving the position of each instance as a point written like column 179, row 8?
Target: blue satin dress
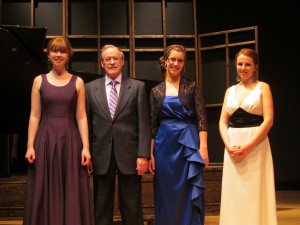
column 178, row 180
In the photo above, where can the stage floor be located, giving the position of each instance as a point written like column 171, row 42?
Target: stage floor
column 288, row 211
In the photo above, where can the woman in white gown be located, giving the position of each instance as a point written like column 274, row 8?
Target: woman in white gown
column 248, row 190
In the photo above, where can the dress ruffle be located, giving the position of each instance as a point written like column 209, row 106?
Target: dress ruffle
column 196, row 165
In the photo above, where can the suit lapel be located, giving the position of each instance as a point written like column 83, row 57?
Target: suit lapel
column 100, row 96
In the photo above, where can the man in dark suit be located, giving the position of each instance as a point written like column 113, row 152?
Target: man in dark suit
column 120, row 143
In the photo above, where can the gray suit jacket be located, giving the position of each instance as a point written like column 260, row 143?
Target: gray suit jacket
column 129, row 130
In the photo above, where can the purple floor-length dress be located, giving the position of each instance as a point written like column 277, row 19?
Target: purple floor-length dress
column 58, row 190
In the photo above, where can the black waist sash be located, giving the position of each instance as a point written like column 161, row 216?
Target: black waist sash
column 240, row 118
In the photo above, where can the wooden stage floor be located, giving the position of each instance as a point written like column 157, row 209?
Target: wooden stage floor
column 288, row 211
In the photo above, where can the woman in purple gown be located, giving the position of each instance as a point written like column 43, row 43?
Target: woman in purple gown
column 58, row 190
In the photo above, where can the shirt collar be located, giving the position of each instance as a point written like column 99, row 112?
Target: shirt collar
column 108, row 79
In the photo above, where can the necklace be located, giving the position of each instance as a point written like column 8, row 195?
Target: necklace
column 248, row 85
column 59, row 80
column 59, row 77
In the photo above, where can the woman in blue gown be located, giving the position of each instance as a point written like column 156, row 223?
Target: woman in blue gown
column 179, row 144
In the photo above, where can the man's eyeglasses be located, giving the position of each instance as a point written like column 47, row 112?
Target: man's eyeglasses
column 173, row 60
column 108, row 59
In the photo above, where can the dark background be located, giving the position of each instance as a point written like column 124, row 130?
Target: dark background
column 278, row 36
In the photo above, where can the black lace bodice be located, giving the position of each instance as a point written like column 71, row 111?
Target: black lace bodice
column 189, row 95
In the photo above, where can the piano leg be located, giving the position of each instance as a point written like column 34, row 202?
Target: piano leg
column 4, row 152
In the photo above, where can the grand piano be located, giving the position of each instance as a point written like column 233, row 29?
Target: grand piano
column 21, row 59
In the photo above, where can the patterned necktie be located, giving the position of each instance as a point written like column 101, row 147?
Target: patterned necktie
column 113, row 98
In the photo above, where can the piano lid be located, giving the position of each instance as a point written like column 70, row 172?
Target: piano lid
column 21, row 59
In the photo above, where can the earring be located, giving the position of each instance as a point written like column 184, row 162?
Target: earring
column 238, row 79
column 254, row 76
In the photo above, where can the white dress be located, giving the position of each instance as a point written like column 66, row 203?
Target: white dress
column 248, row 190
